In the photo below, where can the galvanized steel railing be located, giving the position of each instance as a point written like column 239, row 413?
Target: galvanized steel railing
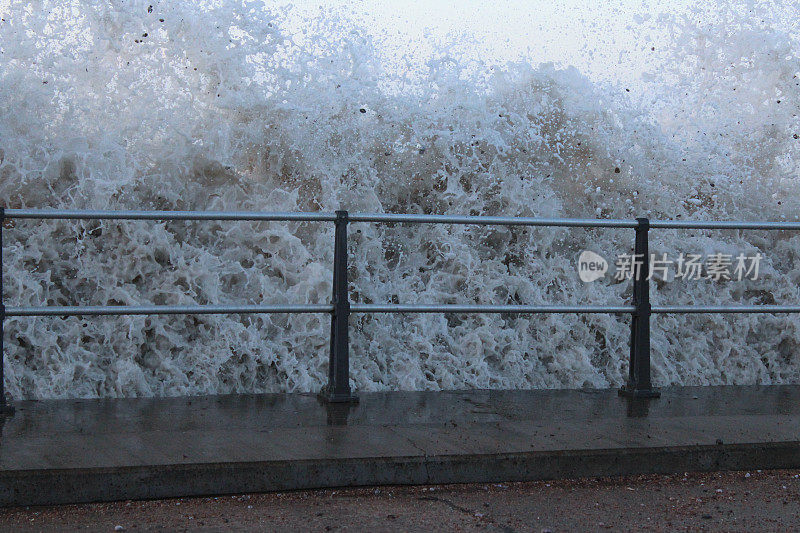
column 338, row 389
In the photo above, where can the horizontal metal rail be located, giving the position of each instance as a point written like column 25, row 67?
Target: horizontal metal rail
column 95, row 310
column 725, row 224
column 73, row 214
column 66, row 214
column 460, row 308
column 692, row 309
column 492, row 220
column 120, row 310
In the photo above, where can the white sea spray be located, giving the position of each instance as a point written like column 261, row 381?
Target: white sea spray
column 118, row 106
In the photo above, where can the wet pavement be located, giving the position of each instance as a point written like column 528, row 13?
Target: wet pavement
column 89, row 450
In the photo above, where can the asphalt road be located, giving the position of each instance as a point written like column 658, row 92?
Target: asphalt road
column 735, row 501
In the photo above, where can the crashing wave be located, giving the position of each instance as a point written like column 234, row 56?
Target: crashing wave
column 175, row 105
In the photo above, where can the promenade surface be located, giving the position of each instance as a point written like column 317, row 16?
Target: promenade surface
column 712, row 501
column 64, row 451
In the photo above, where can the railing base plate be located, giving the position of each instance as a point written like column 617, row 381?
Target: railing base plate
column 337, row 398
column 631, row 392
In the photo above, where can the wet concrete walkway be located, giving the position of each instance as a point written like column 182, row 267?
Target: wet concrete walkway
column 93, row 450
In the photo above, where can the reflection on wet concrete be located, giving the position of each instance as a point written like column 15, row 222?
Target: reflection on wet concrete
column 64, row 450
column 337, row 413
column 638, row 407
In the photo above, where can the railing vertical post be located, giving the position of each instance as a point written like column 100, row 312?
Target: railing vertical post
column 639, row 384
column 6, row 409
column 338, row 388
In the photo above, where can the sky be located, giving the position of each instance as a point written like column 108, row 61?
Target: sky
column 600, row 41
column 612, row 40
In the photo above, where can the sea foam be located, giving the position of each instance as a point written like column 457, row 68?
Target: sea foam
column 177, row 105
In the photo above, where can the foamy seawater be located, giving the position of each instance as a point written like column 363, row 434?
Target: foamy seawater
column 228, row 107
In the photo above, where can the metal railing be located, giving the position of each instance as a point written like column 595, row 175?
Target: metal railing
column 639, row 384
